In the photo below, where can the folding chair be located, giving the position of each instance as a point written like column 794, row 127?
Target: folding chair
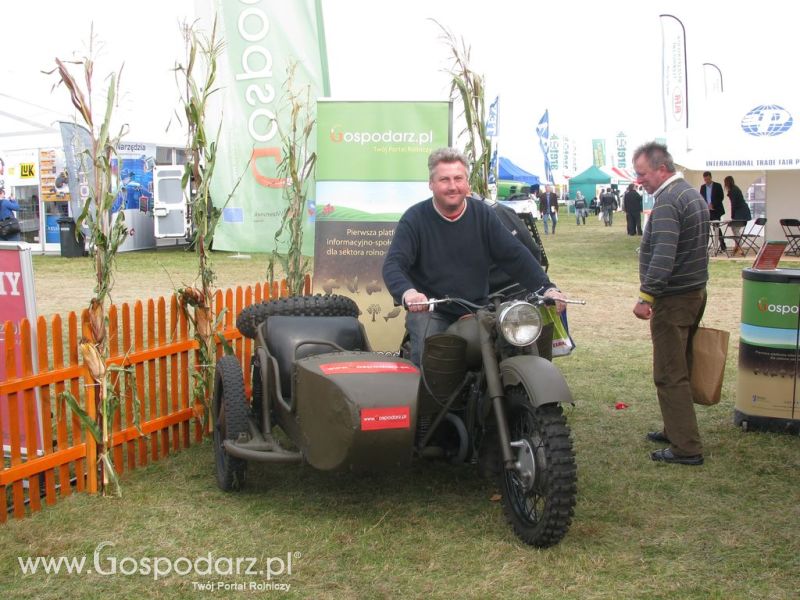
column 751, row 238
column 714, row 233
column 791, row 229
column 732, row 235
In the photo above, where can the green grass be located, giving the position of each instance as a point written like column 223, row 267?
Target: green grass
column 728, row 529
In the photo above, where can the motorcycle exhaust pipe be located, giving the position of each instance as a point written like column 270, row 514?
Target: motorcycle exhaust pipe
column 261, row 453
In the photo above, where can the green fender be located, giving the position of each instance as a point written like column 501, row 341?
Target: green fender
column 543, row 382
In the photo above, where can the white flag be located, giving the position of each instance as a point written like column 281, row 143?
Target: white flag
column 712, row 77
column 674, row 85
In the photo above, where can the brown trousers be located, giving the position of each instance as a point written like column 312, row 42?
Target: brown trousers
column 674, row 322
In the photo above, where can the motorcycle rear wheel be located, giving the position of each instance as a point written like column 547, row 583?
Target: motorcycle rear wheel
column 230, row 420
column 539, row 508
column 329, row 305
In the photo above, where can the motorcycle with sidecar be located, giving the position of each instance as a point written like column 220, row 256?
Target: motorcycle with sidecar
column 482, row 395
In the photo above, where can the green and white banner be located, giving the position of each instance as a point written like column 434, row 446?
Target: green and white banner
column 372, row 165
column 599, row 152
column 262, row 38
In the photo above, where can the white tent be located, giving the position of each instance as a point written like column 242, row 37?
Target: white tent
column 25, row 124
column 620, row 176
column 747, row 139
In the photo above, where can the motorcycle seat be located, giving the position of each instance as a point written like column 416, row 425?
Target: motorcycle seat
column 284, row 335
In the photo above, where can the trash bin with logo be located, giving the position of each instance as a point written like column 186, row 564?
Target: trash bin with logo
column 70, row 247
column 768, row 396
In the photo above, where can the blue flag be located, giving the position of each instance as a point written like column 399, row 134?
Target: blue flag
column 491, row 121
column 543, row 131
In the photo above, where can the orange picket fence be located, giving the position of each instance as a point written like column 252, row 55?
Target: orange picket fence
column 47, row 453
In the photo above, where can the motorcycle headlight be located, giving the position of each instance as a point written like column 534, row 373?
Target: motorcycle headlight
column 520, row 323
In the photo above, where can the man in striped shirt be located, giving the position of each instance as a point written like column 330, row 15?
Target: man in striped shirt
column 673, row 271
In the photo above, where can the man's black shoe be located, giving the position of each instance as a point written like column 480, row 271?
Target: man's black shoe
column 667, row 456
column 657, row 436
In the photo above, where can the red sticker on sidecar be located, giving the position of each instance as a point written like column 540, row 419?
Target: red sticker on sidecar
column 394, row 417
column 367, row 366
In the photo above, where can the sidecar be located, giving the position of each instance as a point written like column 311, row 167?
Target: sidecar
column 342, row 406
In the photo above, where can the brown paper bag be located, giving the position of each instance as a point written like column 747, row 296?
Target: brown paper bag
column 709, row 351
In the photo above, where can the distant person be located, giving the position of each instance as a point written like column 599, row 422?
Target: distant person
column 533, row 196
column 739, row 209
column 580, row 208
column 632, row 204
column 673, row 272
column 594, row 206
column 548, row 207
column 608, row 204
column 62, row 184
column 7, row 208
column 712, row 192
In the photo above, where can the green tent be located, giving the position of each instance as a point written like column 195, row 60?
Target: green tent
column 587, row 181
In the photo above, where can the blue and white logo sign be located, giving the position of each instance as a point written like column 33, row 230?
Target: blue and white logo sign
column 767, row 120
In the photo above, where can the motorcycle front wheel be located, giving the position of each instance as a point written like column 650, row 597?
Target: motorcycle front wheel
column 539, row 493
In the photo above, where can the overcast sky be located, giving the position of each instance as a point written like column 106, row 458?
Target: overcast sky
column 595, row 66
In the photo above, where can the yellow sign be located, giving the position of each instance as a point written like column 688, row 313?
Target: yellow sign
column 27, row 170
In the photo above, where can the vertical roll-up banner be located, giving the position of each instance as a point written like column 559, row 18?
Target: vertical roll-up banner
column 372, row 165
column 262, row 38
column 17, row 302
column 673, row 64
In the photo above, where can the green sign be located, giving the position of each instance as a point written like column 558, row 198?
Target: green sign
column 767, row 304
column 379, row 141
column 372, row 164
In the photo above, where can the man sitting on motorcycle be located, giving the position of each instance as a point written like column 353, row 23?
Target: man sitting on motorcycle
column 445, row 246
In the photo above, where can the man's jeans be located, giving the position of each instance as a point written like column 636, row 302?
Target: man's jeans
column 421, row 325
column 546, row 219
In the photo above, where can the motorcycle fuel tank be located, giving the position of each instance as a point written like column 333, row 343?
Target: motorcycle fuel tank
column 356, row 410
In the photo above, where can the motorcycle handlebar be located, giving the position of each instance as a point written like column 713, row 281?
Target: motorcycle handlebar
column 434, row 301
column 530, row 297
column 570, row 301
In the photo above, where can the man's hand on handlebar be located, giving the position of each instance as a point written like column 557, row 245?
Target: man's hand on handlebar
column 416, row 301
column 558, row 296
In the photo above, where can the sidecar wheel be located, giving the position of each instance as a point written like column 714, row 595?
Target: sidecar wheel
column 329, row 305
column 539, row 499
column 230, row 420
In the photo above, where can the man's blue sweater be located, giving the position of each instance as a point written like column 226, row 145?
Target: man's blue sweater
column 439, row 257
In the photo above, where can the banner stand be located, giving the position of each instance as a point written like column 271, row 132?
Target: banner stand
column 17, row 302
